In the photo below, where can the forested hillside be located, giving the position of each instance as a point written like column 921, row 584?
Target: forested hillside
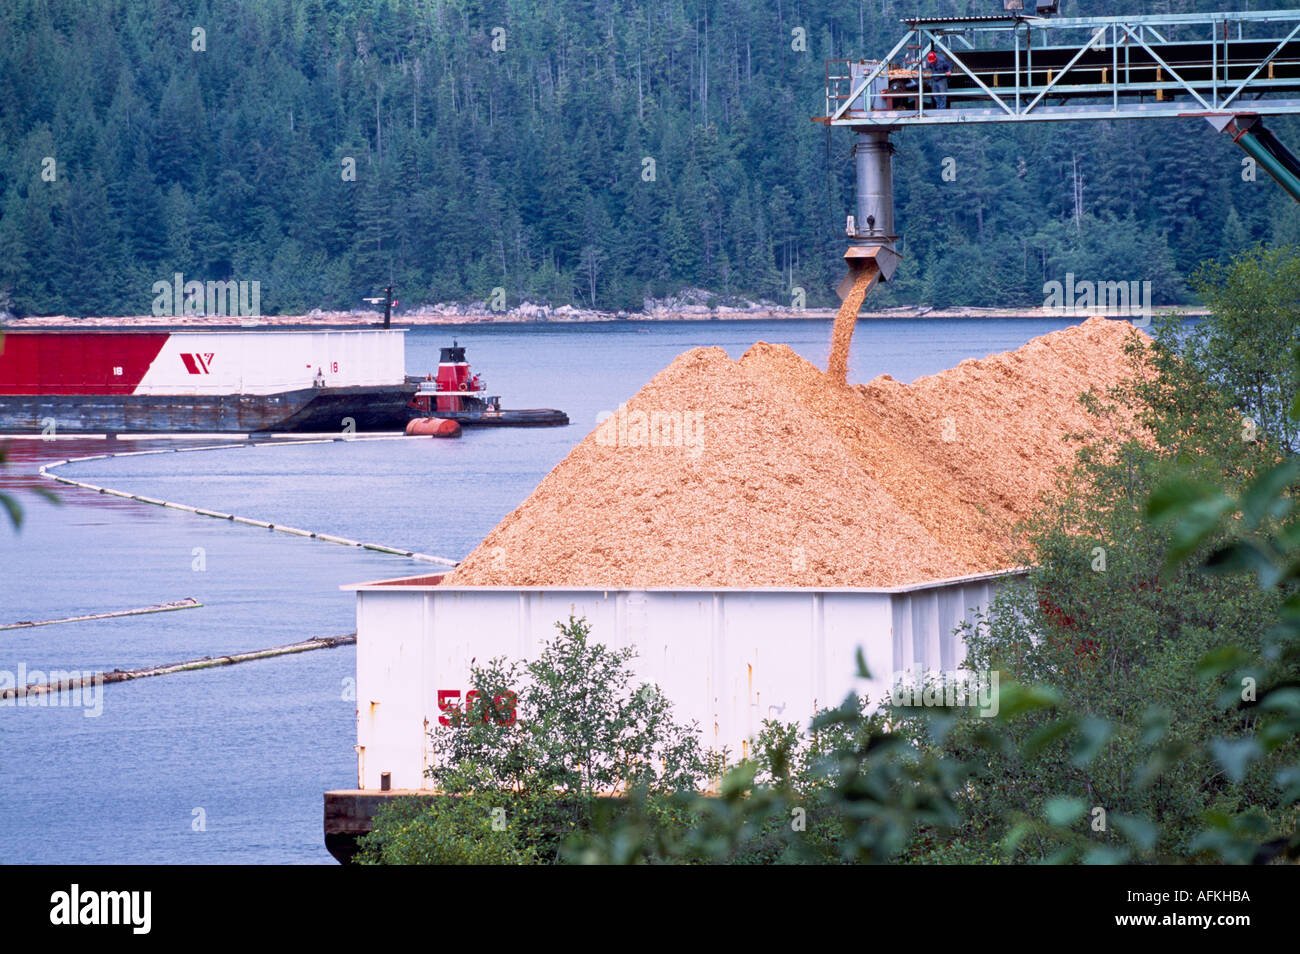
column 511, row 144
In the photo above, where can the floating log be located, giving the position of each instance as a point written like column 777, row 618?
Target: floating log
column 188, row 603
column 206, row 662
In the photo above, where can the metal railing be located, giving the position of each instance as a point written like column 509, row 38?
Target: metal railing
column 1025, row 68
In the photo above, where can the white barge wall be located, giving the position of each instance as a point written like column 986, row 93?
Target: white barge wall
column 727, row 658
column 268, row 362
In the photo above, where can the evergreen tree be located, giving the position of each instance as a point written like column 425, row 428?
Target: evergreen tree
column 653, row 149
column 87, row 248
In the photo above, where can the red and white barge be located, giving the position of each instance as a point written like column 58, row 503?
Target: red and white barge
column 69, row 381
column 73, row 381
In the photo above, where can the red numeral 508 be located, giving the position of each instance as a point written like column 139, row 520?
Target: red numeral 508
column 501, row 711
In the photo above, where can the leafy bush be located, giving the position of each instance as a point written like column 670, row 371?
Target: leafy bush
column 451, row 830
column 568, row 722
column 538, row 748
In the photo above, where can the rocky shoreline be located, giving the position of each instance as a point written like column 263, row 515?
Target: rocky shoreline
column 691, row 305
column 413, row 319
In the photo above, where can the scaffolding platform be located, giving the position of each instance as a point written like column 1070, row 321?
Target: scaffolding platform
column 1024, row 68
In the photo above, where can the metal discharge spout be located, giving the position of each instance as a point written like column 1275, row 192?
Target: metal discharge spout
column 875, row 187
column 871, row 257
column 871, row 230
column 1249, row 132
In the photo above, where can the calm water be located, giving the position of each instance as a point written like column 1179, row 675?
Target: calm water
column 249, row 749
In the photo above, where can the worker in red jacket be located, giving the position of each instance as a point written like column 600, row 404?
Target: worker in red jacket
column 939, row 70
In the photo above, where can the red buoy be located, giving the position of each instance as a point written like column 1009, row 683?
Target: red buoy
column 432, row 427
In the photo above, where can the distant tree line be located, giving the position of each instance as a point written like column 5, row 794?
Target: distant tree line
column 592, row 152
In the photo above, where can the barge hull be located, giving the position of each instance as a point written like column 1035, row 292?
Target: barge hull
column 533, row 417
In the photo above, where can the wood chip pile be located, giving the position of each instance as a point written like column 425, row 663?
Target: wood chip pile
column 766, row 472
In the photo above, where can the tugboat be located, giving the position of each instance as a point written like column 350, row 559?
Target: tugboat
column 457, row 394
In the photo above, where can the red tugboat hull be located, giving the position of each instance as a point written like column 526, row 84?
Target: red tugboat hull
column 457, row 394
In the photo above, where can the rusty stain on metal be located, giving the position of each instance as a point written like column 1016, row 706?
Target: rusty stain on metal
column 424, row 760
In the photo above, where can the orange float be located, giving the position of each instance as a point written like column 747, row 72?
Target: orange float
column 432, row 427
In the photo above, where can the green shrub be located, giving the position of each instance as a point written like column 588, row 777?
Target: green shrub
column 540, row 755
column 444, row 830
